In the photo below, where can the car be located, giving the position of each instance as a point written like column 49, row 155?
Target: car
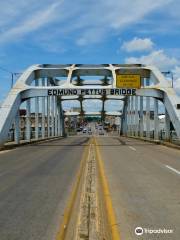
column 89, row 132
column 85, row 130
column 79, row 130
column 101, row 132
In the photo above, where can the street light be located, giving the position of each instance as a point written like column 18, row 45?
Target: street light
column 12, row 75
column 172, row 76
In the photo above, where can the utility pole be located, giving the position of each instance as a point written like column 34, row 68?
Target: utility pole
column 172, row 77
column 12, row 75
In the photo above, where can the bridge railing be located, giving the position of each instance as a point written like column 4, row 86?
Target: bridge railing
column 156, row 118
column 30, row 119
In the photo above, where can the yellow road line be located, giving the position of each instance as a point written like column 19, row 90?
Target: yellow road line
column 63, row 228
column 107, row 196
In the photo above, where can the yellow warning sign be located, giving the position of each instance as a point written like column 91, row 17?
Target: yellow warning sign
column 128, row 81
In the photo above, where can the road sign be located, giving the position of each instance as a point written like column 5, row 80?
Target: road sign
column 128, row 81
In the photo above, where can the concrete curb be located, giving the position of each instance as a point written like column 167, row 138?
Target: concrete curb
column 11, row 146
column 167, row 144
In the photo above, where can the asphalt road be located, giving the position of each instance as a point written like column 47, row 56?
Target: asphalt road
column 35, row 184
column 144, row 181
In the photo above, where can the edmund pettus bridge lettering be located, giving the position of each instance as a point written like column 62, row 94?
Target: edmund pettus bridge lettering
column 74, row 91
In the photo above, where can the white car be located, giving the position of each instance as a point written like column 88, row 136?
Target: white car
column 85, row 130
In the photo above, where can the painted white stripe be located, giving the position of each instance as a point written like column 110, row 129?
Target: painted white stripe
column 132, row 148
column 173, row 169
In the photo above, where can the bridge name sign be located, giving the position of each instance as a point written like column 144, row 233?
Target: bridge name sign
column 91, row 91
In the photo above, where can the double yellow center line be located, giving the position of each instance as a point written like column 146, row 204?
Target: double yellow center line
column 111, row 218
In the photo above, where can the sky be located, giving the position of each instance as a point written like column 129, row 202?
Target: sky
column 88, row 31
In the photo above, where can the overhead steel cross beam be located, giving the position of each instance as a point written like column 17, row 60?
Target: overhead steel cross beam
column 76, row 76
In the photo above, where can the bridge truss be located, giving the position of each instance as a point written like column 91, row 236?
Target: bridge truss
column 41, row 90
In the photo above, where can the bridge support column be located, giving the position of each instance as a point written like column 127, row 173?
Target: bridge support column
column 132, row 116
column 148, row 99
column 59, row 120
column 136, row 117
column 52, row 116
column 156, row 120
column 62, row 121
column 56, row 116
column 141, row 124
column 36, row 113
column 167, row 126
column 148, row 117
column 17, row 128
column 28, row 120
column 103, row 109
column 141, row 113
column 124, row 119
column 48, row 112
column 128, row 117
column 43, row 113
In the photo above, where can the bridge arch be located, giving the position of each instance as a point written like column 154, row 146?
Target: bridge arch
column 50, row 85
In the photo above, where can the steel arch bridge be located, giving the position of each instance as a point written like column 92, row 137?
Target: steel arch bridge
column 43, row 88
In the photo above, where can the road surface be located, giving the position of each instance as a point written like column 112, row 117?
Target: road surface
column 35, row 184
column 144, row 182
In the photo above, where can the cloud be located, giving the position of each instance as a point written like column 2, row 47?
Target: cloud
column 164, row 62
column 112, row 16
column 138, row 44
column 40, row 18
column 157, row 58
column 176, row 73
column 79, row 19
column 94, row 35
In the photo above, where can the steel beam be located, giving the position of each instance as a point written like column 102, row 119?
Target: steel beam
column 43, row 113
column 56, row 116
column 59, row 120
column 171, row 101
column 52, row 115
column 167, row 126
column 62, row 129
column 132, row 116
column 28, row 120
column 147, row 112
column 128, row 117
column 43, row 92
column 160, row 89
column 36, row 113
column 141, row 113
column 156, row 120
column 48, row 112
column 136, row 116
column 17, row 128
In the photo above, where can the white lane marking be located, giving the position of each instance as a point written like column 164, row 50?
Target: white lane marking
column 132, row 148
column 173, row 169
